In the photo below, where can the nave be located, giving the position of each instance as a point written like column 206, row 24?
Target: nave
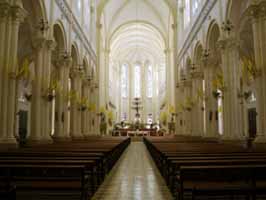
column 134, row 177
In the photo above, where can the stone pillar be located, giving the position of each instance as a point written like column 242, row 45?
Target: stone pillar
column 107, row 70
column 233, row 125
column 258, row 16
column 85, row 113
column 188, row 113
column 210, row 120
column 61, row 105
column 17, row 15
column 47, row 103
column 197, row 112
column 37, row 93
column 4, row 16
column 75, row 116
column 213, row 101
column 131, row 94
column 66, row 102
column 144, row 91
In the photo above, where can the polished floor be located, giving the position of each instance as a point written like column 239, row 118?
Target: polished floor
column 134, row 177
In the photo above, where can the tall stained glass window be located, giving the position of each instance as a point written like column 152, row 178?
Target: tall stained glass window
column 137, row 80
column 195, row 6
column 187, row 13
column 124, row 80
column 149, row 81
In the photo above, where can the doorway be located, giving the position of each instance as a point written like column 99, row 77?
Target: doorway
column 23, row 126
column 252, row 122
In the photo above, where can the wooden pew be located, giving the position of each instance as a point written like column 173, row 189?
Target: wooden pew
column 174, row 156
column 56, row 171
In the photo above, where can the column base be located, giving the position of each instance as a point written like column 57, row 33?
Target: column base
column 260, row 139
column 31, row 141
column 231, row 138
column 211, row 137
column 61, row 139
column 8, row 143
column 235, row 141
column 77, row 137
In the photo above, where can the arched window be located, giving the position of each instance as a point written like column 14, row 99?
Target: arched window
column 187, row 13
column 137, row 76
column 79, row 5
column 124, row 80
column 149, row 82
column 195, row 6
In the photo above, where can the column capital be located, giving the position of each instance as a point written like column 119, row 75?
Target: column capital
column 174, row 26
column 87, row 81
column 195, row 74
column 98, row 25
column 257, row 11
column 228, row 43
column 185, row 83
column 51, row 44
column 63, row 60
column 18, row 13
column 76, row 73
column 167, row 50
column 4, row 8
column 107, row 51
column 39, row 43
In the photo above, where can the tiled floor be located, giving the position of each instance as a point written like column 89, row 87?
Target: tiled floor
column 134, row 177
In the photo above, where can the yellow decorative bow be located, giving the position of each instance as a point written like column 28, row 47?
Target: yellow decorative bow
column 24, row 71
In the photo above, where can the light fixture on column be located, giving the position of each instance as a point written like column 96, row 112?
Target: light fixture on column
column 43, row 25
column 227, row 26
column 206, row 53
column 65, row 55
column 80, row 68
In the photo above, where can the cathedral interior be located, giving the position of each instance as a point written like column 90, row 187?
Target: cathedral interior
column 132, row 99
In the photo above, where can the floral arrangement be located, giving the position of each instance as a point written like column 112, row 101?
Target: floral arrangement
column 51, row 90
column 82, row 104
column 249, row 69
column 23, row 72
column 163, row 118
column 110, row 116
column 188, row 104
column 218, row 82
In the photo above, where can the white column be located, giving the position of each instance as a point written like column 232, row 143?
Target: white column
column 85, row 113
column 197, row 113
column 4, row 73
column 131, row 86
column 188, row 113
column 59, row 133
column 75, row 117
column 36, row 100
column 47, row 104
column 233, row 125
column 213, row 103
column 210, row 120
column 258, row 16
column 4, row 13
column 17, row 16
column 144, row 91
column 107, row 70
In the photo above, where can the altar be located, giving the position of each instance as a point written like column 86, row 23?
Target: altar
column 136, row 133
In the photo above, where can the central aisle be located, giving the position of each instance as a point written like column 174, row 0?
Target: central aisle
column 134, row 177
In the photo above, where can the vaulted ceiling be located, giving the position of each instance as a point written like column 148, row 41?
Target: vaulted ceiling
column 136, row 29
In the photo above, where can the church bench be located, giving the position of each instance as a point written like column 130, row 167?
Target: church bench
column 171, row 157
column 102, row 154
column 174, row 169
column 99, row 161
column 219, row 180
column 57, row 180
